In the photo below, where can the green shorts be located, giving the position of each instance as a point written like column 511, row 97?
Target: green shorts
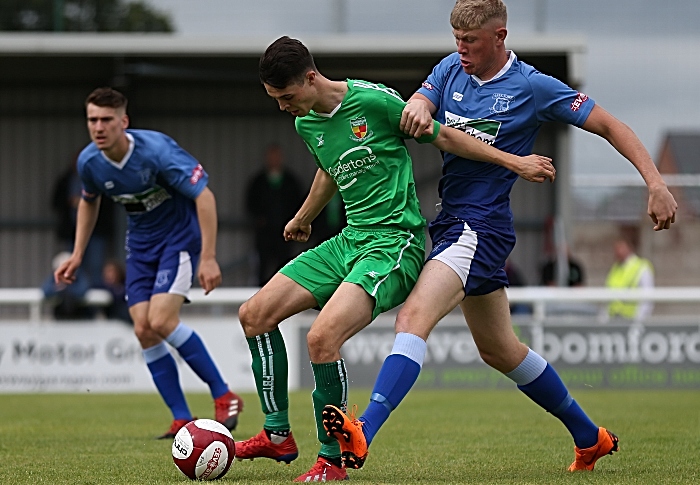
column 385, row 262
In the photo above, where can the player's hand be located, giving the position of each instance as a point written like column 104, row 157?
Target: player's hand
column 662, row 207
column 416, row 118
column 296, row 230
column 209, row 274
column 535, row 168
column 66, row 271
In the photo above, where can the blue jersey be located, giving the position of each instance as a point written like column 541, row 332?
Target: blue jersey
column 156, row 183
column 505, row 112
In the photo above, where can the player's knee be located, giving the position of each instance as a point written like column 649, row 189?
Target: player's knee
column 322, row 347
column 253, row 320
column 408, row 321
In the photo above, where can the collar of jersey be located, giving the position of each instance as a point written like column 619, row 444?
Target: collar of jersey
column 335, row 110
column 123, row 161
column 511, row 60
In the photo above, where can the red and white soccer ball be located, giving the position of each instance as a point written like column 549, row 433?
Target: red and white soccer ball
column 203, row 450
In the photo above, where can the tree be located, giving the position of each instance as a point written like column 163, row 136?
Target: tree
column 81, row 16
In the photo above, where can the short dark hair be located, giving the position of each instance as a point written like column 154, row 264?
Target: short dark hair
column 107, row 98
column 286, row 61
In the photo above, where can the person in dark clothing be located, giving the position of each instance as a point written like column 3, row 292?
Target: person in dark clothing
column 272, row 198
column 64, row 202
column 574, row 278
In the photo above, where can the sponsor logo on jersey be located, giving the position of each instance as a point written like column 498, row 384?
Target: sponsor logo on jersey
column 197, row 173
column 372, row 274
column 144, row 202
column 578, row 102
column 501, row 103
column 320, row 140
column 360, row 131
column 351, row 165
column 427, row 86
column 109, row 185
column 457, row 96
column 481, row 129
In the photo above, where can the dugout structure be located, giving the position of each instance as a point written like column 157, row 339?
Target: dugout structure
column 205, row 93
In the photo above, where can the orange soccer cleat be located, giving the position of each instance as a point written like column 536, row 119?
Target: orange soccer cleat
column 586, row 458
column 348, row 432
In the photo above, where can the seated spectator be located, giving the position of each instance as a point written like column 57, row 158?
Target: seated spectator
column 114, row 280
column 67, row 301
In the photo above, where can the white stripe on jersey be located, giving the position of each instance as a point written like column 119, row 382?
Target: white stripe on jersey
column 393, row 92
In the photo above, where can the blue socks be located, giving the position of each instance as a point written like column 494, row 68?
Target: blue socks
column 541, row 383
column 396, row 377
column 192, row 349
column 165, row 376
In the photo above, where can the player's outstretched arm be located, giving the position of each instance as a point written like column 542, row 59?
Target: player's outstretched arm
column 84, row 225
column 322, row 191
column 209, row 273
column 662, row 206
column 533, row 168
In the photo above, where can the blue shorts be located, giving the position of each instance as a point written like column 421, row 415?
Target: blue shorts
column 165, row 266
column 476, row 252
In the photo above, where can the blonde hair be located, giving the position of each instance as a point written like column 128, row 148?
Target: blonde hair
column 474, row 14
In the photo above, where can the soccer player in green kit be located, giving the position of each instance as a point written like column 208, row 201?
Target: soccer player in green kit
column 352, row 128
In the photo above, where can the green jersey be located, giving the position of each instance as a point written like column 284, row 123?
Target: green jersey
column 361, row 145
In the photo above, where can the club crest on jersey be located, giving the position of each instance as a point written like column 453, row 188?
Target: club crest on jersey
column 162, row 277
column 360, row 131
column 501, row 103
column 145, row 175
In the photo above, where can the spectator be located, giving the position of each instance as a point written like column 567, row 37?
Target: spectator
column 515, row 278
column 114, row 281
column 272, row 198
column 67, row 301
column 64, row 202
column 629, row 271
column 574, row 278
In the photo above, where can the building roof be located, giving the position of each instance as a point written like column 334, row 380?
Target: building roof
column 685, row 149
column 365, row 45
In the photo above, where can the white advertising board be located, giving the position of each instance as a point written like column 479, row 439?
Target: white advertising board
column 106, row 357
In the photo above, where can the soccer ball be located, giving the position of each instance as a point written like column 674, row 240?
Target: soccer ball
column 203, row 450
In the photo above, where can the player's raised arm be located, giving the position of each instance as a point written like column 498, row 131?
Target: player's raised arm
column 322, row 191
column 533, row 168
column 662, row 206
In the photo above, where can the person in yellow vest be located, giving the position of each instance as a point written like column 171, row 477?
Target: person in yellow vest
column 630, row 271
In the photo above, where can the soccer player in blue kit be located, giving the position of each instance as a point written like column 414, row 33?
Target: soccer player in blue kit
column 172, row 226
column 486, row 91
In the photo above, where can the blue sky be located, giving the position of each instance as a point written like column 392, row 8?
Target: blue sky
column 642, row 63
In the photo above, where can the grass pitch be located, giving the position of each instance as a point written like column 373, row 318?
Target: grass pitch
column 466, row 436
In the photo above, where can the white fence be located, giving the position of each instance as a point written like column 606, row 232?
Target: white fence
column 42, row 356
column 544, row 300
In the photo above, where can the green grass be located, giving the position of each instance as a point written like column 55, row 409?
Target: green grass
column 484, row 437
